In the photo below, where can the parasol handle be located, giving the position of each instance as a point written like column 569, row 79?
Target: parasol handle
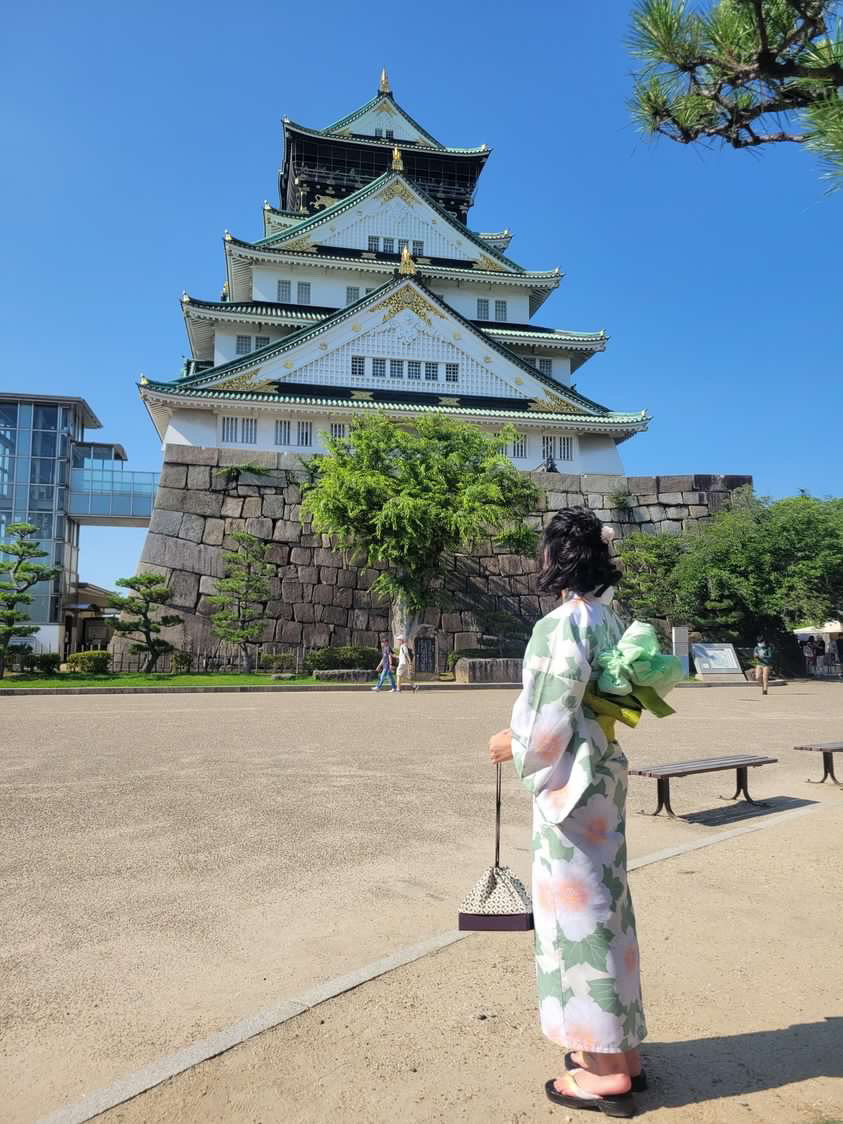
column 498, row 818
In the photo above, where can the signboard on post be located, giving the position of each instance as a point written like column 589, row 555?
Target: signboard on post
column 717, row 663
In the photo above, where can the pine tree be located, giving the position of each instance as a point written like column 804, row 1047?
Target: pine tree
column 149, row 594
column 242, row 594
column 18, row 574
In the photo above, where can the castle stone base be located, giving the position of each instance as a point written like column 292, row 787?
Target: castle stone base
column 318, row 599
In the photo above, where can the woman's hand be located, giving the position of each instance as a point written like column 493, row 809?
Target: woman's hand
column 500, row 747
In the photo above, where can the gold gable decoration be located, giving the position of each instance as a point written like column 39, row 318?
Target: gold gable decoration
column 397, row 190
column 246, row 382
column 397, row 162
column 552, row 404
column 299, row 245
column 383, row 85
column 411, row 298
column 407, row 267
column 489, row 264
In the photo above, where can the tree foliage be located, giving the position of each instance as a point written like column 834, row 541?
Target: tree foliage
column 140, row 619
column 744, row 72
column 19, row 572
column 761, row 567
column 406, row 497
column 242, row 595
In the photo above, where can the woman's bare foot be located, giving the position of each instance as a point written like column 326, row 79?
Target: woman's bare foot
column 600, row 1074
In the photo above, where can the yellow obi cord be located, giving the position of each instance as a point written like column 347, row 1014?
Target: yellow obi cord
column 607, row 713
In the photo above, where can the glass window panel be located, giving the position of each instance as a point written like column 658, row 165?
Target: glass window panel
column 59, row 553
column 21, row 497
column 66, row 419
column 59, row 526
column 38, row 611
column 25, row 415
column 43, row 522
column 43, row 444
column 46, row 417
column 41, row 497
column 100, row 504
column 42, row 471
column 8, row 414
column 78, row 503
column 141, row 505
column 61, row 498
column 121, row 505
column 61, row 472
column 24, row 442
column 77, row 456
column 8, row 441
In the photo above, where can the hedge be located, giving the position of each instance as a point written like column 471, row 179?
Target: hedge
column 95, row 663
column 341, row 657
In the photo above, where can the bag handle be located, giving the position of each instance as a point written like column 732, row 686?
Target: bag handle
column 498, row 818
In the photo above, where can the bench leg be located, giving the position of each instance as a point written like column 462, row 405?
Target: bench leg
column 828, row 770
column 663, row 793
column 742, row 789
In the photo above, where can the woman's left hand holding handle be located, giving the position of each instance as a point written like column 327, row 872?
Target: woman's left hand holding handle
column 500, row 747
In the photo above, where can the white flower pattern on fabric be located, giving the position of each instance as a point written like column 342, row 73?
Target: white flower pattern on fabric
column 585, row 942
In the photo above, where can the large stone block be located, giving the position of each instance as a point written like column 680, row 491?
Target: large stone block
column 718, row 501
column 273, row 506
column 155, row 549
column 173, row 475
column 304, row 613
column 733, row 482
column 670, row 526
column 293, row 493
column 675, row 484
column 291, row 590
column 248, row 456
column 197, row 503
column 151, row 568
column 261, row 528
column 678, row 512
column 252, row 507
column 207, row 584
column 347, row 578
column 323, row 594
column 328, row 575
column 316, row 635
column 595, row 482
column 232, row 507
column 214, row 532
column 278, row 553
column 511, row 564
column 290, row 632
column 358, row 619
column 670, row 497
column 192, row 527
column 190, row 454
column 451, row 622
column 198, row 476
column 365, row 639
column 361, row 599
column 324, row 557
column 184, row 589
column 335, row 615
column 301, row 555
column 641, row 485
column 286, row 532
column 165, row 522
column 308, row 574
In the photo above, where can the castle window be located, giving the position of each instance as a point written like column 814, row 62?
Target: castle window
column 431, row 372
column 452, row 372
column 545, row 366
column 284, row 294
column 566, row 448
column 548, row 446
column 482, row 309
column 402, row 244
column 261, row 341
column 374, row 243
column 352, row 294
column 389, row 245
column 358, row 366
column 378, row 132
column 305, row 434
column 396, row 368
column 418, row 249
column 413, row 369
column 379, row 368
column 500, row 310
column 244, row 345
column 390, row 134
column 519, row 447
column 303, row 292
column 229, row 430
column 248, row 431
column 282, row 432
column 337, row 429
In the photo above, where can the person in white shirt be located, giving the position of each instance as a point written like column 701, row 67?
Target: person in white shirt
column 405, row 664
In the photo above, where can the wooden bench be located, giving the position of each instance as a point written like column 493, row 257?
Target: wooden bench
column 739, row 762
column 827, row 749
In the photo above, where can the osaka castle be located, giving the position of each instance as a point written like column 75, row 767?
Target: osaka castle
column 370, row 291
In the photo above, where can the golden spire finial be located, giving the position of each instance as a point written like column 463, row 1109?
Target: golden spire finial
column 384, row 86
column 397, row 162
column 143, row 380
column 407, row 266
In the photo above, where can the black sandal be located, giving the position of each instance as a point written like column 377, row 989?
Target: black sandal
column 612, row 1104
column 639, row 1081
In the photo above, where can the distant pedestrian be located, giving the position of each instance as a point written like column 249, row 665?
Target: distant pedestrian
column 385, row 667
column 763, row 655
column 810, row 655
column 406, row 660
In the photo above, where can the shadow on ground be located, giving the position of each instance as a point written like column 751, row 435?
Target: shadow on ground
column 737, row 813
column 707, row 1069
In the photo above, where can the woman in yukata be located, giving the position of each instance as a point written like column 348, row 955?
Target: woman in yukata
column 585, row 941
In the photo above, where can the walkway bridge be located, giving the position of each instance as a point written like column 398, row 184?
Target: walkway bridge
column 103, row 493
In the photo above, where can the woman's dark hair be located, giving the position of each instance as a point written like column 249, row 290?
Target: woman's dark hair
column 573, row 554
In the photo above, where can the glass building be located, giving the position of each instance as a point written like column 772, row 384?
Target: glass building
column 52, row 476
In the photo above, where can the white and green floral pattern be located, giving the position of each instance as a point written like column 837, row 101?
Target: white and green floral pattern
column 586, row 946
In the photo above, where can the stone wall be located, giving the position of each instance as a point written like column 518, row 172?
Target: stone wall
column 318, row 600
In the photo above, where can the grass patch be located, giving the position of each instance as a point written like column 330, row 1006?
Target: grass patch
column 79, row 679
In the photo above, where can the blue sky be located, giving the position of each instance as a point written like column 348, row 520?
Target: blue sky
column 140, row 133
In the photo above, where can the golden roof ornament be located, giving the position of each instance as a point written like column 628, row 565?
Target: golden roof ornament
column 407, row 266
column 143, row 379
column 397, row 162
column 383, row 85
column 184, row 296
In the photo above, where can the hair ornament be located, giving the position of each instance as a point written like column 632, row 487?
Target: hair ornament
column 607, row 534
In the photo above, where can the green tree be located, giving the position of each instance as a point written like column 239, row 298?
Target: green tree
column 648, row 589
column 405, row 497
column 19, row 572
column 242, row 595
column 742, row 72
column 230, row 474
column 139, row 616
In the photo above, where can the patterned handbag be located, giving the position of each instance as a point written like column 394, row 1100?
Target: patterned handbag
column 498, row 902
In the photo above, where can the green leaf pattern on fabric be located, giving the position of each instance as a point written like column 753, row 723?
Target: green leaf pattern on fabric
column 585, row 942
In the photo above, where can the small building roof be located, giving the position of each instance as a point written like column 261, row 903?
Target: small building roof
column 89, row 418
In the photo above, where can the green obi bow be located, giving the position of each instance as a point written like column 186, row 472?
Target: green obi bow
column 634, row 676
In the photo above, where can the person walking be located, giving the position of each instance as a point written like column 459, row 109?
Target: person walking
column 406, row 659
column 586, row 945
column 385, row 667
column 763, row 655
column 810, row 654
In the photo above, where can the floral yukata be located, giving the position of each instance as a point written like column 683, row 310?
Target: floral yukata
column 585, row 942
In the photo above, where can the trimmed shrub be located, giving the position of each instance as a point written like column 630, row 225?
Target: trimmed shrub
column 342, row 657
column 94, row 663
column 279, row 661
column 181, row 662
column 48, row 663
